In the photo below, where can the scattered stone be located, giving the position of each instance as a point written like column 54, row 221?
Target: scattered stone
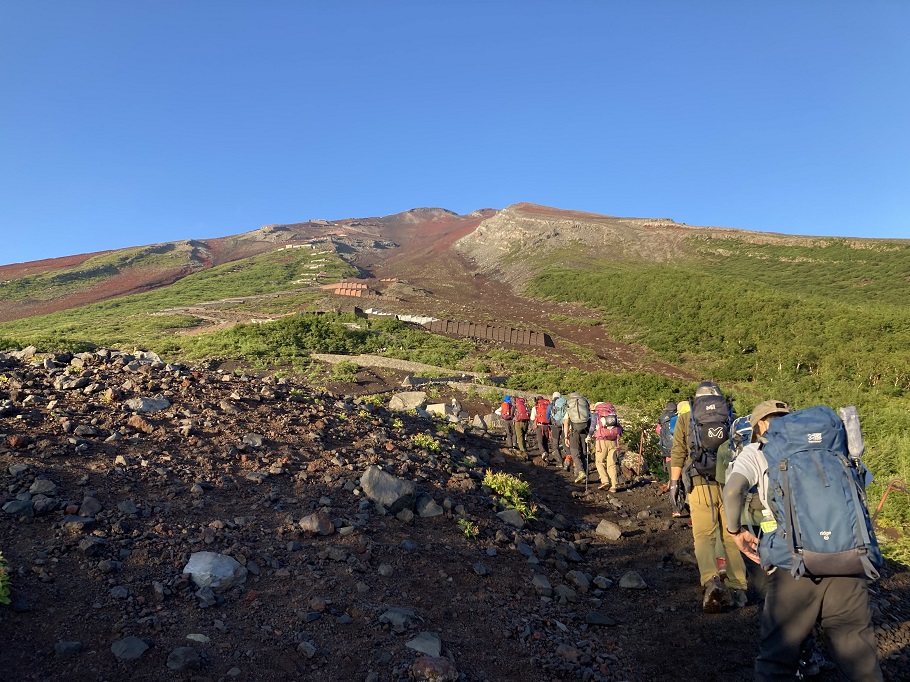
column 400, row 619
column 542, row 585
column 633, row 581
column 319, row 523
column 512, row 517
column 183, row 658
column 90, row 507
column 407, row 401
column 597, row 618
column 253, row 440
column 433, row 669
column 19, row 508
column 148, row 405
column 129, row 648
column 391, row 492
column 140, row 424
column 426, row 643
column 609, row 530
column 42, row 486
column 481, row 568
column 427, row 507
column 67, row 649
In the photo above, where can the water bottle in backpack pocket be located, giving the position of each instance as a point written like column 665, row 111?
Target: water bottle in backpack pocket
column 816, row 495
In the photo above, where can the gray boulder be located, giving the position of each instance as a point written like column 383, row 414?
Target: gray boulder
column 216, row 571
column 407, row 401
column 427, row 507
column 391, row 492
column 129, row 648
column 609, row 530
column 426, row 643
column 512, row 517
column 319, row 523
column 146, row 405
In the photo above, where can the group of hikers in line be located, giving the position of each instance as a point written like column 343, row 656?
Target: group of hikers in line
column 567, row 429
column 782, row 490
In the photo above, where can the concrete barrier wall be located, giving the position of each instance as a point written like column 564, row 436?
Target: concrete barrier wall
column 518, row 337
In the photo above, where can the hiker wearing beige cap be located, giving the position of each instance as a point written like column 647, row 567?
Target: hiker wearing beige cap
column 839, row 603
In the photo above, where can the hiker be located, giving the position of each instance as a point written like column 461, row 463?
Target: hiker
column 794, row 602
column 556, row 416
column 606, row 430
column 520, row 418
column 505, row 413
column 665, row 425
column 678, row 504
column 541, row 422
column 694, row 450
column 575, row 426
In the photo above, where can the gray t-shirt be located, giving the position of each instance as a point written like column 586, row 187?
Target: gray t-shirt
column 752, row 464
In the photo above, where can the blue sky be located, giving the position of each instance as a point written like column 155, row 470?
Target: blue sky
column 129, row 123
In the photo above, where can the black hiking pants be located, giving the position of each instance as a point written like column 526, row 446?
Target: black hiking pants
column 792, row 607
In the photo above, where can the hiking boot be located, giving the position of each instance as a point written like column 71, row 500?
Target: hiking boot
column 580, row 478
column 717, row 597
column 567, row 463
column 739, row 598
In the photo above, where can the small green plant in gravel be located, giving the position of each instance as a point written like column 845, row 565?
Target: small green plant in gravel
column 397, row 423
column 469, row 528
column 345, row 371
column 422, row 440
column 4, row 581
column 512, row 491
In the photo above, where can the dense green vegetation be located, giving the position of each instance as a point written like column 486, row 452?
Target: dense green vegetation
column 808, row 325
column 291, row 339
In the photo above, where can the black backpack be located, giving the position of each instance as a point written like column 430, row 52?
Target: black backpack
column 709, row 427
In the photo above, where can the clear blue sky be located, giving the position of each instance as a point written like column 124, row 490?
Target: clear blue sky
column 128, row 123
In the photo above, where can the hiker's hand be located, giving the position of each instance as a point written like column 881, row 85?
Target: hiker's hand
column 672, row 491
column 748, row 545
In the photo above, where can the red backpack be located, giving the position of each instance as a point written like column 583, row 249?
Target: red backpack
column 506, row 411
column 542, row 407
column 608, row 426
column 521, row 410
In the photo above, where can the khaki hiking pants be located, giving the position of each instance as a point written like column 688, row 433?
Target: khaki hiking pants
column 706, row 506
column 605, row 452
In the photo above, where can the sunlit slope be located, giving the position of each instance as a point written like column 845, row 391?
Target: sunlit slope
column 140, row 318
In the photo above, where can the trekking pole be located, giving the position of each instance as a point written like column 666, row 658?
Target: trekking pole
column 895, row 484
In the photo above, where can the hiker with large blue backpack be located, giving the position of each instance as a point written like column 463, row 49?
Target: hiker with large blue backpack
column 817, row 544
column 693, row 463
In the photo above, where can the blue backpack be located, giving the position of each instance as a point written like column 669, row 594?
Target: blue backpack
column 558, row 410
column 816, row 494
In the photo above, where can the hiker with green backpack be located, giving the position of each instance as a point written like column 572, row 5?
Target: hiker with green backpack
column 576, row 426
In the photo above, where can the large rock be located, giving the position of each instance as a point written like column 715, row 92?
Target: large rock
column 319, row 523
column 433, row 669
column 512, row 517
column 216, row 571
column 129, row 648
column 407, row 401
column 146, row 405
column 391, row 492
column 426, row 643
column 609, row 530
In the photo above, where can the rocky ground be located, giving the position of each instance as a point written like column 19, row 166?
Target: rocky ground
column 345, row 541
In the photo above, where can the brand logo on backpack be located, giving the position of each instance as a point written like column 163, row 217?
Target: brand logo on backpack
column 709, row 427
column 815, row 438
column 826, row 534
